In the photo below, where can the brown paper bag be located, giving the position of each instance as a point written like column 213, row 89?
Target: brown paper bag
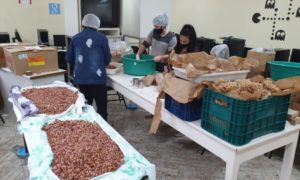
column 198, row 59
column 181, row 90
column 148, row 80
column 262, row 57
column 157, row 113
column 294, row 85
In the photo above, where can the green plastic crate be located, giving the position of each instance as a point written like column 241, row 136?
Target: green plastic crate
column 281, row 69
column 142, row 67
column 238, row 121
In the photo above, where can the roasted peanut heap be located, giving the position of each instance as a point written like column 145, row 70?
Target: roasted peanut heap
column 54, row 100
column 82, row 150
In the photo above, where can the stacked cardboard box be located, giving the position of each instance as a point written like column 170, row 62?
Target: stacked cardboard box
column 31, row 58
column 3, row 45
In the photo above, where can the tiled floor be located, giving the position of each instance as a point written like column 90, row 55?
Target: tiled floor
column 175, row 157
column 10, row 165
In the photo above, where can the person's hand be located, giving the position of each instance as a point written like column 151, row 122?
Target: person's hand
column 137, row 57
column 157, row 58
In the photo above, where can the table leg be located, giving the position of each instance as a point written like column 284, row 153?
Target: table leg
column 232, row 169
column 288, row 159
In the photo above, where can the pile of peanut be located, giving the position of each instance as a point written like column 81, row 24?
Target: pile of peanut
column 82, row 150
column 54, row 100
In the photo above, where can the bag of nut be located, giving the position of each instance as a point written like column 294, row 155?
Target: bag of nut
column 53, row 100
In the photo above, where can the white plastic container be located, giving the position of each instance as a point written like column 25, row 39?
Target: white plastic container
column 231, row 75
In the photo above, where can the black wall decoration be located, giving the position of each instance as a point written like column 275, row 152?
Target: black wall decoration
column 280, row 34
column 270, row 4
column 298, row 13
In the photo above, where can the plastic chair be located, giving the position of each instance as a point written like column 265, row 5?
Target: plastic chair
column 236, row 46
column 62, row 64
column 205, row 44
column 112, row 92
column 282, row 54
column 295, row 56
column 4, row 37
column 246, row 49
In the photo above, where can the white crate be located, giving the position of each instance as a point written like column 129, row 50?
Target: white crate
column 231, row 75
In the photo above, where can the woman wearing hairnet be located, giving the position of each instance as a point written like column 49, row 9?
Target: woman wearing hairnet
column 89, row 53
column 161, row 41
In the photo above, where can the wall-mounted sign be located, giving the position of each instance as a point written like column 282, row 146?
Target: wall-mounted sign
column 54, row 8
column 277, row 34
column 24, row 1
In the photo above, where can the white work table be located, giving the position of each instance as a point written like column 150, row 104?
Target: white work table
column 233, row 155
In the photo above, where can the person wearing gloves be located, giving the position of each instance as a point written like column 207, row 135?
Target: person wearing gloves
column 187, row 40
column 89, row 54
column 161, row 41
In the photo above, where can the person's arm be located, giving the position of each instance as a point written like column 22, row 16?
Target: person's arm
column 70, row 58
column 106, row 51
column 146, row 43
column 161, row 58
column 142, row 48
column 172, row 44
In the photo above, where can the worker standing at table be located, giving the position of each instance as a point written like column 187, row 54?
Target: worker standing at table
column 161, row 41
column 89, row 54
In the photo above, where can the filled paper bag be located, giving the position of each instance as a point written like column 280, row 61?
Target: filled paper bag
column 181, row 90
column 198, row 59
column 294, row 85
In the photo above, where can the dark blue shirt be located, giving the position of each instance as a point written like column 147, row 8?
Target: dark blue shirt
column 89, row 53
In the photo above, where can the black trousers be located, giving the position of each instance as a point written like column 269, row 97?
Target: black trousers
column 97, row 92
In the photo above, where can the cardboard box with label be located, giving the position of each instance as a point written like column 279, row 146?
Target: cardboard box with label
column 31, row 58
column 3, row 45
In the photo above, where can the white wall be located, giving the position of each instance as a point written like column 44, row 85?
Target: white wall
column 131, row 17
column 28, row 18
column 216, row 18
column 137, row 15
column 71, row 17
column 149, row 9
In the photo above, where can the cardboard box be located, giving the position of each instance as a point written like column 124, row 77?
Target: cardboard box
column 31, row 58
column 262, row 57
column 3, row 45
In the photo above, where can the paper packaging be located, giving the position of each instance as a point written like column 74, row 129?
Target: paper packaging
column 2, row 45
column 35, row 59
column 293, row 84
column 181, row 90
column 262, row 57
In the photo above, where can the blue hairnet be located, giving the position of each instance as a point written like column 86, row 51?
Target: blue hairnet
column 161, row 20
column 91, row 20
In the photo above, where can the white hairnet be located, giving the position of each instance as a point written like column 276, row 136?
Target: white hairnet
column 91, row 20
column 220, row 51
column 161, row 20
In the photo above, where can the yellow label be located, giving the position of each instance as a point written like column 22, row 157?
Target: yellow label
column 36, row 61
